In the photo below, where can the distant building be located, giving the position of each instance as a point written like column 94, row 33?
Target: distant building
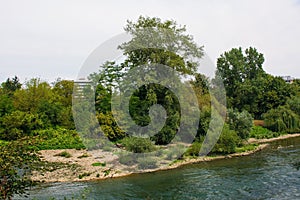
column 288, row 79
column 81, row 86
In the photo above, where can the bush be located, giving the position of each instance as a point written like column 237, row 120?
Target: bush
column 194, row 149
column 227, row 142
column 59, row 138
column 138, row 145
column 245, row 148
column 98, row 164
column 80, row 176
column 19, row 124
column 241, row 122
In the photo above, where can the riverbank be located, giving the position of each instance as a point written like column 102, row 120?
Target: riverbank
column 82, row 165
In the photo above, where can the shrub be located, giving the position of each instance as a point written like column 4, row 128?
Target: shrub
column 227, row 142
column 241, row 122
column 194, row 149
column 59, row 138
column 80, row 176
column 107, row 172
column 98, row 164
column 19, row 124
column 138, row 145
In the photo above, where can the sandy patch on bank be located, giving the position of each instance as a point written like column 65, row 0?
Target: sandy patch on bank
column 282, row 137
column 80, row 168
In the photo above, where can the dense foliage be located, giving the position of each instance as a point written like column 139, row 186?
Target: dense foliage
column 248, row 86
column 17, row 160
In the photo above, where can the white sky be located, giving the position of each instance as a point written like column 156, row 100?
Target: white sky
column 50, row 39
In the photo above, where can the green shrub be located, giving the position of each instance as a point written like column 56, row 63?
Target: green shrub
column 194, row 149
column 19, row 124
column 259, row 132
column 138, row 145
column 241, row 122
column 227, row 143
column 64, row 154
column 245, row 148
column 107, row 172
column 98, row 164
column 59, row 138
column 80, row 176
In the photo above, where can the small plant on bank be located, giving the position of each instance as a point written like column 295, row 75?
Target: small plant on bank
column 80, row 176
column 64, row 154
column 245, row 148
column 107, row 172
column 194, row 149
column 98, row 164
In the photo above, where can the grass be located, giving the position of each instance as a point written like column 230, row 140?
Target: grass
column 98, row 164
column 259, row 132
column 64, row 154
column 59, row 138
column 107, row 172
column 245, row 148
column 3, row 142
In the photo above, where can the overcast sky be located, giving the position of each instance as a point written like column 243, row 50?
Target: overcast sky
column 50, row 39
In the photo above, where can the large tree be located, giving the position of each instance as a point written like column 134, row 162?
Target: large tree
column 154, row 42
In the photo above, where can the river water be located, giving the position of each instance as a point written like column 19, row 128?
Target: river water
column 270, row 174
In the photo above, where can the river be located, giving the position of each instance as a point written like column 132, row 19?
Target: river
column 270, row 174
